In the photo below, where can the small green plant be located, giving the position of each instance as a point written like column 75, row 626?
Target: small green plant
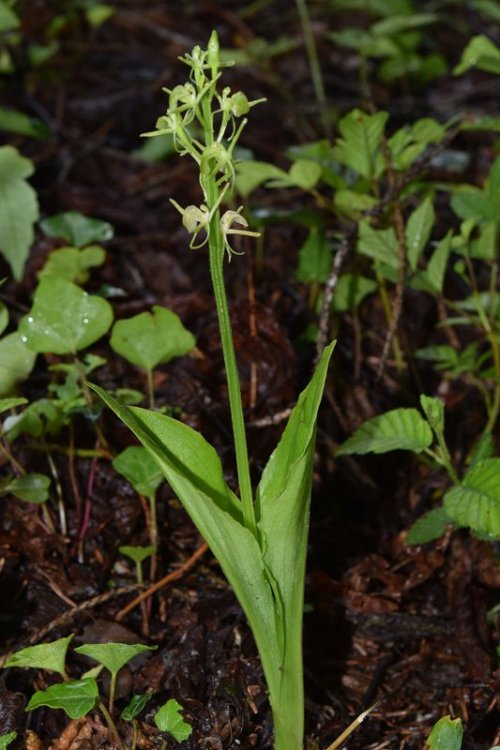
column 472, row 502
column 261, row 546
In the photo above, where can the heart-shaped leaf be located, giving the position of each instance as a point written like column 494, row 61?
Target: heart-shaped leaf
column 169, row 719
column 64, row 318
column 137, row 465
column 16, row 361
column 50, row 656
column 78, row 230
column 148, row 339
column 72, row 263
column 32, row 488
column 76, row 698
column 113, row 656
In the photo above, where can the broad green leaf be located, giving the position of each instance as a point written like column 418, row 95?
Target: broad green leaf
column 315, row 258
column 18, row 209
column 444, row 356
column 76, row 698
column 446, row 734
column 42, row 417
column 78, row 230
column 194, row 472
column 64, row 318
column 137, row 554
column 359, row 145
column 16, row 361
column 484, row 448
column 304, row 173
column 398, row 429
column 73, row 264
column 351, row 204
column 97, row 13
column 476, row 502
column 379, row 244
column 148, row 339
column 6, row 739
column 430, row 526
column 32, row 488
column 137, row 704
column 418, row 231
column 480, row 53
column 169, row 719
column 350, row 291
column 50, row 656
column 485, row 247
column 395, row 24
column 473, row 203
column 6, row 404
column 282, row 506
column 113, row 656
column 250, row 174
column 137, row 465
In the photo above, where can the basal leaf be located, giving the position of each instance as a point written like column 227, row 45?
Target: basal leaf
column 358, row 146
column 16, row 361
column 76, row 698
column 446, row 734
column 193, row 470
column 428, row 527
column 398, row 429
column 476, row 502
column 76, row 229
column 169, row 719
column 137, row 465
column 111, row 655
column 64, row 318
column 149, row 339
column 418, row 231
column 18, row 209
column 50, row 656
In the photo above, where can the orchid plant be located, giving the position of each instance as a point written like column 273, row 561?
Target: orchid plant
column 259, row 540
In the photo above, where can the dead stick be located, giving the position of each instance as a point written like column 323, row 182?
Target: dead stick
column 183, row 568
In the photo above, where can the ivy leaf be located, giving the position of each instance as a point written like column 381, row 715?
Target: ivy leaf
column 446, row 734
column 137, row 465
column 169, row 719
column 73, row 264
column 418, row 230
column 137, row 554
column 86, row 318
column 149, row 339
column 50, row 656
column 16, row 361
column 76, row 698
column 398, row 429
column 76, row 229
column 111, row 655
column 18, row 209
column 430, row 526
column 476, row 502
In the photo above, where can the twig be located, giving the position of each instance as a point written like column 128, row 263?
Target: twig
column 333, row 277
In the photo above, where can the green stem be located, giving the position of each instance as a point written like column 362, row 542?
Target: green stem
column 111, row 725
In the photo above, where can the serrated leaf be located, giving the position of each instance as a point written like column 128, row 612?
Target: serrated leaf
column 76, row 229
column 476, row 502
column 137, row 465
column 31, row 488
column 16, row 361
column 446, row 734
column 6, row 739
column 350, row 291
column 50, row 656
column 352, row 204
column 379, row 244
column 358, row 147
column 148, row 339
column 399, row 429
column 169, row 719
column 18, row 209
column 433, row 409
column 111, row 655
column 86, row 318
column 418, row 231
column 72, row 263
column 75, row 698
column 430, row 526
column 135, row 706
column 480, row 53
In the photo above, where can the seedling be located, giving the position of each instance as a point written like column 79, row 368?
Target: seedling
column 261, row 547
column 169, row 719
column 138, row 555
column 150, row 339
